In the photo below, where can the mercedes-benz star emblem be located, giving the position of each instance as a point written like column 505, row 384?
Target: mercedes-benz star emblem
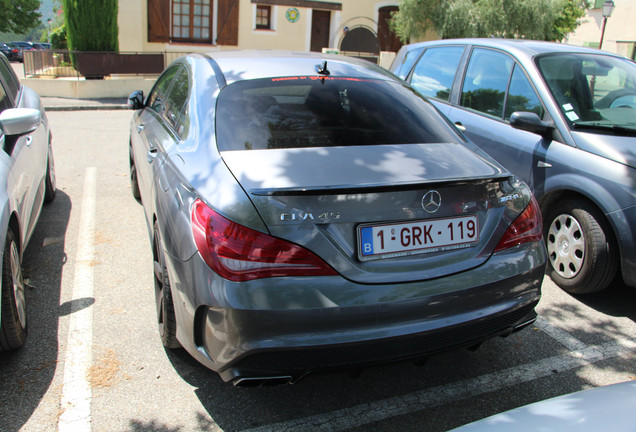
column 431, row 201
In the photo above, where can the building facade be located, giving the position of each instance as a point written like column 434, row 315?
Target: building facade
column 299, row 25
column 620, row 29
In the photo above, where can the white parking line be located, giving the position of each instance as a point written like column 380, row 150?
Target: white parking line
column 76, row 391
column 558, row 334
column 401, row 405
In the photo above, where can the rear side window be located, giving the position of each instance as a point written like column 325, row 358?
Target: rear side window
column 157, row 97
column 434, row 73
column 10, row 79
column 296, row 112
column 409, row 58
column 5, row 103
column 487, row 78
column 176, row 99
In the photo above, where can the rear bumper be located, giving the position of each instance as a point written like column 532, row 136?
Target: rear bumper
column 282, row 329
column 293, row 364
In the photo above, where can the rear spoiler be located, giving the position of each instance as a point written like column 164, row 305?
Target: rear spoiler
column 377, row 188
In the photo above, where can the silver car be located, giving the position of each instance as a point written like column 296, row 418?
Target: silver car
column 27, row 180
column 562, row 118
column 599, row 408
column 311, row 212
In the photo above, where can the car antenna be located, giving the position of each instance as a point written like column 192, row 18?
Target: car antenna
column 322, row 69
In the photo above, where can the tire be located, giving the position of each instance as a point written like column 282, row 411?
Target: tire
column 133, row 179
column 50, row 182
column 163, row 295
column 13, row 324
column 581, row 249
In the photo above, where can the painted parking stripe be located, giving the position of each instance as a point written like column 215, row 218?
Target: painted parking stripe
column 560, row 335
column 365, row 414
column 76, row 391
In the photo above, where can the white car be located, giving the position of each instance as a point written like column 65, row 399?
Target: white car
column 27, row 180
column 607, row 408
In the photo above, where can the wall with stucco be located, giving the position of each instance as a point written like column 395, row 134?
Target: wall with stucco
column 286, row 35
column 620, row 31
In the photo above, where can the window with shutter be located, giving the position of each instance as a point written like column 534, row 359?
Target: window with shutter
column 191, row 21
column 228, row 18
column 158, row 20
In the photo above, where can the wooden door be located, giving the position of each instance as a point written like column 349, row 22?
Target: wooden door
column 388, row 40
column 320, row 22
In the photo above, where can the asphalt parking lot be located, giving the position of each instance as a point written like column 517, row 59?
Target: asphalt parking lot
column 92, row 306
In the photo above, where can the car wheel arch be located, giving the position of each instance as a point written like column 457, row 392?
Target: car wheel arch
column 548, row 199
column 605, row 220
column 14, row 227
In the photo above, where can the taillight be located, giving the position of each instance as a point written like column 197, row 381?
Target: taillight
column 528, row 227
column 239, row 254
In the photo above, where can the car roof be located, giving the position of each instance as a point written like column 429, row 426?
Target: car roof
column 521, row 47
column 255, row 64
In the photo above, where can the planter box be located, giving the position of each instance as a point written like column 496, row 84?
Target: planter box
column 97, row 65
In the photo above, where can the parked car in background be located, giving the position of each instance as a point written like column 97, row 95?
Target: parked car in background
column 11, row 52
column 563, row 118
column 41, row 45
column 27, row 180
column 599, row 408
column 25, row 46
column 310, row 212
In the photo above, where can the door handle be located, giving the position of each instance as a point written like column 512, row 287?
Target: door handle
column 152, row 153
column 460, row 126
column 542, row 164
column 140, row 127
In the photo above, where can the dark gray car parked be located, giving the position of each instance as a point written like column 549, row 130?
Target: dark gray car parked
column 561, row 117
column 12, row 53
column 310, row 212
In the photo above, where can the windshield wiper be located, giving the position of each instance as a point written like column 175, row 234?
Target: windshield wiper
column 606, row 127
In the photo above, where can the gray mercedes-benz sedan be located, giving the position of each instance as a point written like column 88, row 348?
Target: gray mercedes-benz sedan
column 310, row 212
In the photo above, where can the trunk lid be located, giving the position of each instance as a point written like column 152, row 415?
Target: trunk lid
column 331, row 199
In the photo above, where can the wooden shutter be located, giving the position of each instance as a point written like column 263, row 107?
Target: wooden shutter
column 228, row 22
column 158, row 20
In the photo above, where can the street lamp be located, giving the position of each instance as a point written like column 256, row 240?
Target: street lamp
column 606, row 10
column 49, row 21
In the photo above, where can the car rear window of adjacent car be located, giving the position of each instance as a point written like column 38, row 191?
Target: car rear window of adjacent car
column 297, row 112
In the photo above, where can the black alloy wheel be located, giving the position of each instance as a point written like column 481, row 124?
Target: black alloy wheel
column 13, row 327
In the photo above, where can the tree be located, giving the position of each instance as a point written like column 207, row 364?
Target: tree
column 58, row 38
column 529, row 19
column 19, row 15
column 91, row 25
column 569, row 17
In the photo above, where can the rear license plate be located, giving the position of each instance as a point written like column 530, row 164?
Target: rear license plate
column 398, row 239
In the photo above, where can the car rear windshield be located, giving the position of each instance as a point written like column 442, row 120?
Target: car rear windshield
column 296, row 112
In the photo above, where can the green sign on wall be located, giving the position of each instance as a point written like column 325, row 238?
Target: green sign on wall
column 292, row 15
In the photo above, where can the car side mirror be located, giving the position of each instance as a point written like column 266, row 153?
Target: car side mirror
column 20, row 121
column 136, row 100
column 530, row 122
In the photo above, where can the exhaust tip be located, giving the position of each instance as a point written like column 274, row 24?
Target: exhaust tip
column 252, row 382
